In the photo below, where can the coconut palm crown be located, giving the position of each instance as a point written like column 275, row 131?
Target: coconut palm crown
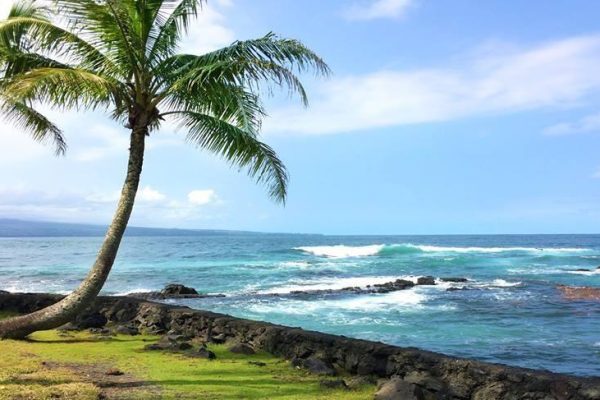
column 120, row 56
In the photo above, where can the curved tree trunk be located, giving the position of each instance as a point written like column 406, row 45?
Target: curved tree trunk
column 67, row 309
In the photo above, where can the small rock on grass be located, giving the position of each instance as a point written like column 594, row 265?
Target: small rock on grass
column 242, row 348
column 126, row 330
column 314, row 365
column 398, row 389
column 257, row 363
column 203, row 352
column 335, row 384
column 356, row 382
column 114, row 372
column 218, row 339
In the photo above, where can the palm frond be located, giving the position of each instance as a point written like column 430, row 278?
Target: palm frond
column 64, row 88
column 239, row 148
column 228, row 102
column 170, row 32
column 41, row 128
column 52, row 39
column 248, row 63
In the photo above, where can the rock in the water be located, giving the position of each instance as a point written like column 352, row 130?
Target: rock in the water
column 314, row 365
column 173, row 291
column 579, row 292
column 203, row 352
column 426, row 280
column 177, row 290
column 453, row 279
column 397, row 389
column 333, row 384
column 454, row 289
column 242, row 348
column 398, row 284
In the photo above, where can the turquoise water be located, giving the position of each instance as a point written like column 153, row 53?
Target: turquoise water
column 512, row 315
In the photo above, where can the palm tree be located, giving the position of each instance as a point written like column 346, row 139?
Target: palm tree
column 120, row 56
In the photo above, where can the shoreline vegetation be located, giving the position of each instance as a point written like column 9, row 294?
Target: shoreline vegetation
column 82, row 365
column 148, row 347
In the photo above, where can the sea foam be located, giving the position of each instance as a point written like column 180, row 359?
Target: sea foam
column 343, row 251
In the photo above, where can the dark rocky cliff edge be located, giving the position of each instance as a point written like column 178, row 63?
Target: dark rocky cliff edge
column 425, row 375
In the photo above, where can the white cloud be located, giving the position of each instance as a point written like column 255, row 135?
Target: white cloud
column 111, row 141
column 202, row 197
column 555, row 74
column 150, row 195
column 209, row 32
column 5, row 6
column 153, row 208
column 587, row 124
column 378, row 9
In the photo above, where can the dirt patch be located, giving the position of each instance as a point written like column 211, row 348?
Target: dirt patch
column 113, row 383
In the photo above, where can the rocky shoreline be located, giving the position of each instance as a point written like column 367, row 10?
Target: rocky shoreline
column 409, row 373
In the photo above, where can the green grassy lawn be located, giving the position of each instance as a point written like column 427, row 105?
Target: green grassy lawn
column 51, row 365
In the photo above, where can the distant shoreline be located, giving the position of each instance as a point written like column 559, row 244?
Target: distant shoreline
column 18, row 228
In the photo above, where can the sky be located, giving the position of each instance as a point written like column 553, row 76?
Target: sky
column 439, row 118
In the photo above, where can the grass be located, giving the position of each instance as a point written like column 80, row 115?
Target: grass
column 6, row 314
column 51, row 365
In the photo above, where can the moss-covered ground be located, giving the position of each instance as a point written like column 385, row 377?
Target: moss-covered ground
column 52, row 365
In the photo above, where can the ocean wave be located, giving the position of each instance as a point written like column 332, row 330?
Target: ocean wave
column 294, row 264
column 134, row 291
column 407, row 301
column 575, row 270
column 586, row 273
column 501, row 283
column 343, row 251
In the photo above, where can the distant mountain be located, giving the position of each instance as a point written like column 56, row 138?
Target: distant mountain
column 21, row 228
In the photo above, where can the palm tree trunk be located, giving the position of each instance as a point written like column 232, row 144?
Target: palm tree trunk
column 68, row 308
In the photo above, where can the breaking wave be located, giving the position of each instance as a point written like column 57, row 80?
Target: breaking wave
column 343, row 251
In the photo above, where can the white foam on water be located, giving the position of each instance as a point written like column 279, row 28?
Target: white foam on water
column 502, row 283
column 586, row 273
column 409, row 300
column 568, row 269
column 294, row 264
column 134, row 291
column 341, row 251
column 400, row 299
column 474, row 249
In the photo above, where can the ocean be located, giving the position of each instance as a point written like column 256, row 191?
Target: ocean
column 511, row 312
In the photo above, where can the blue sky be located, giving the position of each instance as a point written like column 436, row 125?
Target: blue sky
column 440, row 117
